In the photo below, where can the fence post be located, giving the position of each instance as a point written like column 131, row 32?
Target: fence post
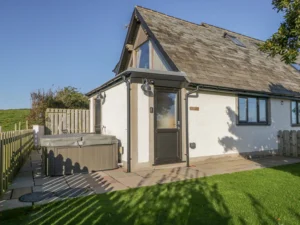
column 286, row 143
column 26, row 124
column 2, row 161
column 280, row 143
column 0, row 129
column 293, row 135
column 298, row 143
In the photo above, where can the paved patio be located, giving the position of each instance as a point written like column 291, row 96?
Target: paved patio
column 30, row 179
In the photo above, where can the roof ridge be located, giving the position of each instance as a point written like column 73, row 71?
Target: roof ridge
column 168, row 15
column 200, row 24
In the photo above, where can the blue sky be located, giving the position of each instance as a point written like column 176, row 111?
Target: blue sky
column 60, row 43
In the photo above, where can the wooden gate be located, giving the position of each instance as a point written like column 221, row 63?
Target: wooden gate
column 289, row 143
column 60, row 121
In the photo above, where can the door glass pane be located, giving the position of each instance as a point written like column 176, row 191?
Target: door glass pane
column 252, row 110
column 166, row 110
column 294, row 111
column 262, row 110
column 242, row 109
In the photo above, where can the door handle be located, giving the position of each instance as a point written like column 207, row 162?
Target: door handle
column 178, row 124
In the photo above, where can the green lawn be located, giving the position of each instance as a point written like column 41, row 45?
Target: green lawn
column 10, row 117
column 265, row 196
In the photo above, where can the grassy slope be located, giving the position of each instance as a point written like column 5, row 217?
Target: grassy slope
column 266, row 196
column 8, row 118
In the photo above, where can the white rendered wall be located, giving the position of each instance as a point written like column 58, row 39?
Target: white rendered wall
column 114, row 115
column 143, row 126
column 213, row 128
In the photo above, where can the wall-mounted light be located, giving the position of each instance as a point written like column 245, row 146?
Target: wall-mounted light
column 100, row 95
column 146, row 86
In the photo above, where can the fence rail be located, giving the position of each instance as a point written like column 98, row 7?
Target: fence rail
column 289, row 143
column 60, row 121
column 15, row 146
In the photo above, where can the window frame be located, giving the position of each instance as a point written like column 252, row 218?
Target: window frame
column 236, row 41
column 246, row 122
column 297, row 124
column 136, row 53
column 296, row 66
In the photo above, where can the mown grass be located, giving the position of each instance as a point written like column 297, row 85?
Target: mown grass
column 265, row 196
column 10, row 117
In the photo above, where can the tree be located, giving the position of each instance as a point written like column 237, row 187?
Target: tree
column 71, row 98
column 286, row 41
column 66, row 98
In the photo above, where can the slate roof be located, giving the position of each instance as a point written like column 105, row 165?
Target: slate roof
column 202, row 52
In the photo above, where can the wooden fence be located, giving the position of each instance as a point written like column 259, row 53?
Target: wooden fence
column 15, row 146
column 60, row 121
column 289, row 143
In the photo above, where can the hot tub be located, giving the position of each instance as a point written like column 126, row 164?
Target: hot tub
column 66, row 154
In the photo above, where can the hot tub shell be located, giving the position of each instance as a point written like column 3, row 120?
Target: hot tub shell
column 78, row 153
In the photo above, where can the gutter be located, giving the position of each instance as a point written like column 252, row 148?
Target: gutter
column 187, row 124
column 127, row 81
column 244, row 92
column 108, row 83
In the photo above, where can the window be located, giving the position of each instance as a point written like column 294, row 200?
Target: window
column 235, row 40
column 296, row 66
column 295, row 110
column 142, row 56
column 158, row 61
column 252, row 110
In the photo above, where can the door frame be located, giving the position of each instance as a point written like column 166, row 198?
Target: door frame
column 179, row 118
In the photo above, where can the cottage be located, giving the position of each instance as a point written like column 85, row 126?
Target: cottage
column 184, row 92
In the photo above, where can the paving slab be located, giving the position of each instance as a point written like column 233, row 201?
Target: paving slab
column 159, row 172
column 25, row 174
column 170, row 179
column 48, row 180
column 6, row 195
column 51, row 184
column 73, row 192
column 35, row 156
column 96, row 176
column 145, row 173
column 108, row 188
column 78, row 183
column 18, row 192
column 55, row 187
column 138, row 181
column 190, row 173
column 21, row 183
column 26, row 168
column 37, row 188
column 37, row 173
column 118, row 173
column 13, row 203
